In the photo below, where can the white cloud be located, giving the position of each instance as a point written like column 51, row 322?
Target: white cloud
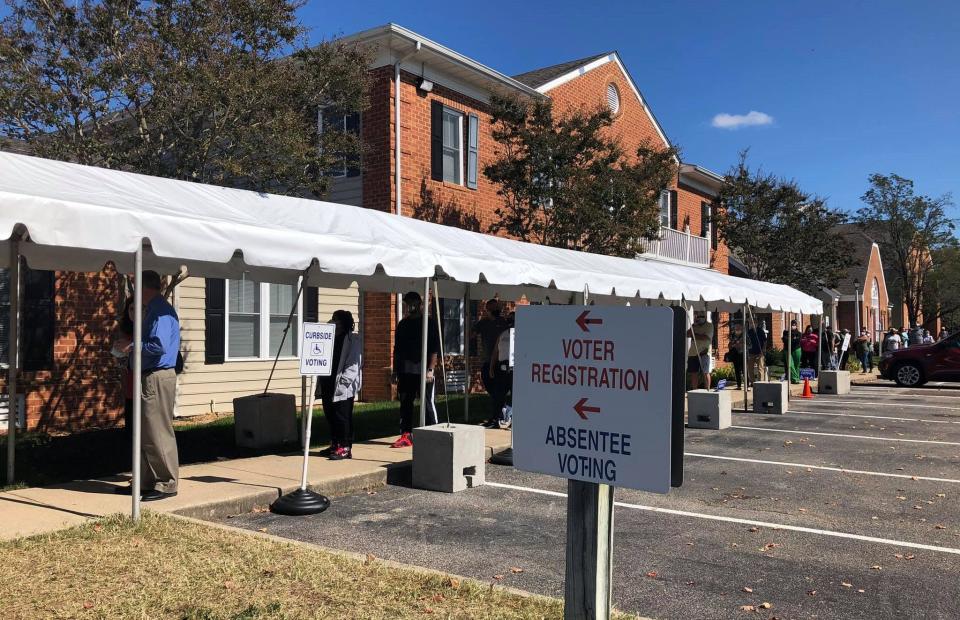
column 736, row 121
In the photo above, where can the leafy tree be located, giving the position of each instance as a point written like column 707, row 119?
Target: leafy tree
column 781, row 233
column 218, row 91
column 566, row 183
column 942, row 295
column 909, row 228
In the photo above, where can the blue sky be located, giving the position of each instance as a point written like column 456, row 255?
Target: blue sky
column 852, row 87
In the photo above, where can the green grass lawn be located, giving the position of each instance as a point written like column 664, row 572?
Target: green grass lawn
column 165, row 567
column 44, row 459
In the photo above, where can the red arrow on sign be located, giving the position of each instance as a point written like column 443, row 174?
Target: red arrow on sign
column 583, row 321
column 582, row 409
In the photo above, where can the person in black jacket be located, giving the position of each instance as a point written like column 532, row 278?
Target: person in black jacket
column 407, row 345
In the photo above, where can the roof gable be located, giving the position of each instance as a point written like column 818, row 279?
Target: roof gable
column 538, row 77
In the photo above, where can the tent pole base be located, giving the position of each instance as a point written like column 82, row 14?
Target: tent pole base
column 300, row 503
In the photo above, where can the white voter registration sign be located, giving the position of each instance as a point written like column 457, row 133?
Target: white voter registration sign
column 594, row 394
column 316, row 349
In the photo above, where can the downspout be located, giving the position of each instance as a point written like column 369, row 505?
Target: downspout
column 396, row 148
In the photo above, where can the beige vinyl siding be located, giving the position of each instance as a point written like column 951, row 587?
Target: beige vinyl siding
column 347, row 191
column 210, row 388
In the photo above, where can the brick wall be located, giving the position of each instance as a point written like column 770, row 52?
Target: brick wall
column 82, row 389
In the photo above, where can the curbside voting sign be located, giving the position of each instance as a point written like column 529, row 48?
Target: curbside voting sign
column 595, row 394
column 316, row 349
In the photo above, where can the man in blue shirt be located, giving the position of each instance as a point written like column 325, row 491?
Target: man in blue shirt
column 159, row 461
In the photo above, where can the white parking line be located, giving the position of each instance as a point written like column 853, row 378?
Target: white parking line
column 875, row 417
column 774, row 526
column 842, row 470
column 882, row 404
column 902, row 394
column 781, row 430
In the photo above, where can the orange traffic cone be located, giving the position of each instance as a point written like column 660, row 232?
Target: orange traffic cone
column 807, row 392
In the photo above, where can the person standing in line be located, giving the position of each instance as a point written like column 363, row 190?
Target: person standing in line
column 845, row 336
column 904, row 338
column 736, row 352
column 892, row 340
column 489, row 328
column 698, row 351
column 159, row 460
column 407, row 345
column 864, row 350
column 502, row 371
column 757, row 340
column 943, row 333
column 927, row 337
column 338, row 391
column 791, row 341
column 809, row 345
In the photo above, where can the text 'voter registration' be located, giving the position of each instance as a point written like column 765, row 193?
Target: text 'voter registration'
column 602, row 377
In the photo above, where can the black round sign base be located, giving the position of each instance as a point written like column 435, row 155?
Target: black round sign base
column 300, row 503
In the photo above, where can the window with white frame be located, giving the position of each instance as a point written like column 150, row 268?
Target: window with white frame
column 665, row 208
column 256, row 316
column 452, row 146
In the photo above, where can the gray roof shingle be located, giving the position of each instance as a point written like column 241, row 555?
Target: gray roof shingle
column 539, row 77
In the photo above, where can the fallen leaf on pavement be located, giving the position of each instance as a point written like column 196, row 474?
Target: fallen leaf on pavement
column 941, row 494
column 861, row 590
column 940, row 527
column 498, row 577
column 846, row 585
column 652, row 574
column 691, row 583
column 754, row 529
column 765, row 605
column 899, row 556
column 901, row 497
column 747, row 608
column 787, row 442
column 263, row 529
column 454, row 583
column 909, row 557
column 876, row 567
column 811, row 592
column 516, row 570
column 748, row 590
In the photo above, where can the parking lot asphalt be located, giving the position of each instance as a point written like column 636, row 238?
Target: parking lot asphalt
column 846, row 507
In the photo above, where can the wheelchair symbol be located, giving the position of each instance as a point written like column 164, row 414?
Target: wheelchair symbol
column 317, row 349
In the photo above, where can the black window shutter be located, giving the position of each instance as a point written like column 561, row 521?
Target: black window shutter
column 37, row 319
column 473, row 139
column 704, row 218
column 674, row 211
column 311, row 304
column 436, row 141
column 216, row 321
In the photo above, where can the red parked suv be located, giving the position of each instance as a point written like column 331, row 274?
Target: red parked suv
column 918, row 364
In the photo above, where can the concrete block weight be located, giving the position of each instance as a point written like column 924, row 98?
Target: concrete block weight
column 834, row 382
column 449, row 458
column 706, row 409
column 770, row 397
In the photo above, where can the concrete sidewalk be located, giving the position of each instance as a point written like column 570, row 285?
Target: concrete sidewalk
column 213, row 489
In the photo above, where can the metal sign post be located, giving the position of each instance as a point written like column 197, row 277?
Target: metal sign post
column 137, row 377
column 13, row 351
column 601, row 391
column 316, row 359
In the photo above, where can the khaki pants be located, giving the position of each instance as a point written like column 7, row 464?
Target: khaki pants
column 159, row 462
column 755, row 368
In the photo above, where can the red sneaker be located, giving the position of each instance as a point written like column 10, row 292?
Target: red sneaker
column 405, row 441
column 341, row 453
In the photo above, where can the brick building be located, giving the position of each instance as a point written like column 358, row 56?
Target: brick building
column 428, row 136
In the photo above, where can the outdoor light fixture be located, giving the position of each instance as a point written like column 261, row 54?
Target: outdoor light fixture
column 425, row 85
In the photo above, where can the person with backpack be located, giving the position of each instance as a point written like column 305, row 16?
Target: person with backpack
column 407, row 368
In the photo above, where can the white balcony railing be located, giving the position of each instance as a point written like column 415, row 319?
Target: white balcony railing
column 678, row 246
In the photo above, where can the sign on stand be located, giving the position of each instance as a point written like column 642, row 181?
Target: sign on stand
column 593, row 392
column 599, row 396
column 316, row 349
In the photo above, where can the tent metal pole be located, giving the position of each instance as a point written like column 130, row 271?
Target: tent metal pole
column 425, row 312
column 467, row 333
column 789, row 353
column 745, row 371
column 13, row 351
column 137, row 377
column 819, row 352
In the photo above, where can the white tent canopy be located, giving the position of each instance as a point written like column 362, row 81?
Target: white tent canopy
column 78, row 217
